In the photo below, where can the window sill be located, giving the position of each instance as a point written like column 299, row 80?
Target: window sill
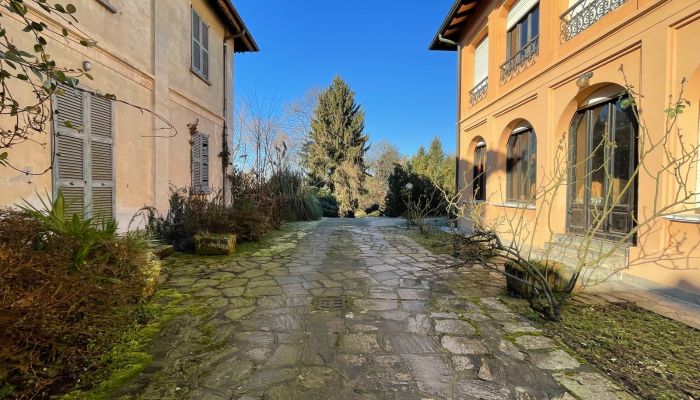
column 106, row 4
column 684, row 218
column 513, row 204
column 198, row 75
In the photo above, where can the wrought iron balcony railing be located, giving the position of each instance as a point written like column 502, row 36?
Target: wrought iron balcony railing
column 521, row 60
column 583, row 14
column 479, row 91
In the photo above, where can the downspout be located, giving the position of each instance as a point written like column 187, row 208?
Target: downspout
column 459, row 102
column 225, row 152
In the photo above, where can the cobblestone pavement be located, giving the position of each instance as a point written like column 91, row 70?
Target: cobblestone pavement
column 353, row 310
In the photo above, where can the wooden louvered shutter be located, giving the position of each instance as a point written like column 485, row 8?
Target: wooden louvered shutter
column 196, row 161
column 69, row 146
column 204, row 182
column 196, row 42
column 101, row 157
column 205, row 51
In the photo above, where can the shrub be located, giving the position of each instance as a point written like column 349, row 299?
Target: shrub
column 66, row 288
column 424, row 192
column 189, row 214
column 328, row 202
column 298, row 202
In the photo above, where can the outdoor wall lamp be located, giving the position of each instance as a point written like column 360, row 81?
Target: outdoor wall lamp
column 87, row 66
column 584, row 80
column 409, row 186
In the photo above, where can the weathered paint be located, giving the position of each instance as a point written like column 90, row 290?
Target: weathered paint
column 143, row 57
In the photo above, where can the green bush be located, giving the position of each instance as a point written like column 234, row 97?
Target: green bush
column 66, row 287
column 298, row 202
column 423, row 190
column 329, row 204
column 80, row 234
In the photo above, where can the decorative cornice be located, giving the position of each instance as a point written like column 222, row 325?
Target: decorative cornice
column 515, row 105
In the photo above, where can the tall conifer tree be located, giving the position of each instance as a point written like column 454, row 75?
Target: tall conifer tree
column 335, row 152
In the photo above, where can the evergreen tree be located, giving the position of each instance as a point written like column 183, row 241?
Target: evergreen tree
column 419, row 162
column 435, row 165
column 337, row 138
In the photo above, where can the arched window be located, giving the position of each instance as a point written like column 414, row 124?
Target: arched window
column 479, row 181
column 521, row 165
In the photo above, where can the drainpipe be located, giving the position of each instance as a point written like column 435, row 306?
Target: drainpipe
column 225, row 152
column 459, row 101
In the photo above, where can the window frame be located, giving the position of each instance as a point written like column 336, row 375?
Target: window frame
column 199, row 152
column 523, row 169
column 83, row 131
column 203, row 47
column 515, row 32
column 479, row 172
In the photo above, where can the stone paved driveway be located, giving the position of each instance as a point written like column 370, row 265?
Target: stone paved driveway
column 353, row 310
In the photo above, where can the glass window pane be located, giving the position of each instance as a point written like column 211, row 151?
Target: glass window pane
column 511, row 168
column 624, row 132
column 579, row 131
column 523, row 34
column 598, row 159
column 535, row 22
column 532, row 165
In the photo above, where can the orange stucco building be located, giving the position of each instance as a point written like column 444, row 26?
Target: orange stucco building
column 540, row 83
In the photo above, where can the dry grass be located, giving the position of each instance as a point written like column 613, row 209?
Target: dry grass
column 650, row 355
column 57, row 319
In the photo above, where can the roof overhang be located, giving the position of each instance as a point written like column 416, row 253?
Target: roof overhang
column 243, row 41
column 448, row 33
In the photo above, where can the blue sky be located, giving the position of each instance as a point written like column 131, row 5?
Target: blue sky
column 380, row 47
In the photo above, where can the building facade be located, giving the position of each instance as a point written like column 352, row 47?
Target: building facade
column 173, row 58
column 542, row 83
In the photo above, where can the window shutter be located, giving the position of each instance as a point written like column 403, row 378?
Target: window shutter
column 481, row 61
column 204, row 182
column 205, row 51
column 196, row 161
column 102, row 156
column 518, row 11
column 69, row 147
column 196, row 42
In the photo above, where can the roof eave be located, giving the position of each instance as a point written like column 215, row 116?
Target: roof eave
column 452, row 25
column 244, row 43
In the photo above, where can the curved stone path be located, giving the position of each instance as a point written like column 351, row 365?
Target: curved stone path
column 353, row 310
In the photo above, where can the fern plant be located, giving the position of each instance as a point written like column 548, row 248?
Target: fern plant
column 81, row 234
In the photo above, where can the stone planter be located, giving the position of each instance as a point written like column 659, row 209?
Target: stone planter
column 208, row 244
column 515, row 275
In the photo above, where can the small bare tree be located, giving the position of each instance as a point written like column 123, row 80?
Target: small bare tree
column 510, row 239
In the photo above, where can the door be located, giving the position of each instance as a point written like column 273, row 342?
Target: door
column 602, row 195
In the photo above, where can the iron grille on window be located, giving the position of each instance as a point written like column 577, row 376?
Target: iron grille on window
column 479, row 91
column 520, row 60
column 583, row 14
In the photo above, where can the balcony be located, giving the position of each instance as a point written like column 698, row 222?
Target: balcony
column 521, row 60
column 583, row 14
column 479, row 91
